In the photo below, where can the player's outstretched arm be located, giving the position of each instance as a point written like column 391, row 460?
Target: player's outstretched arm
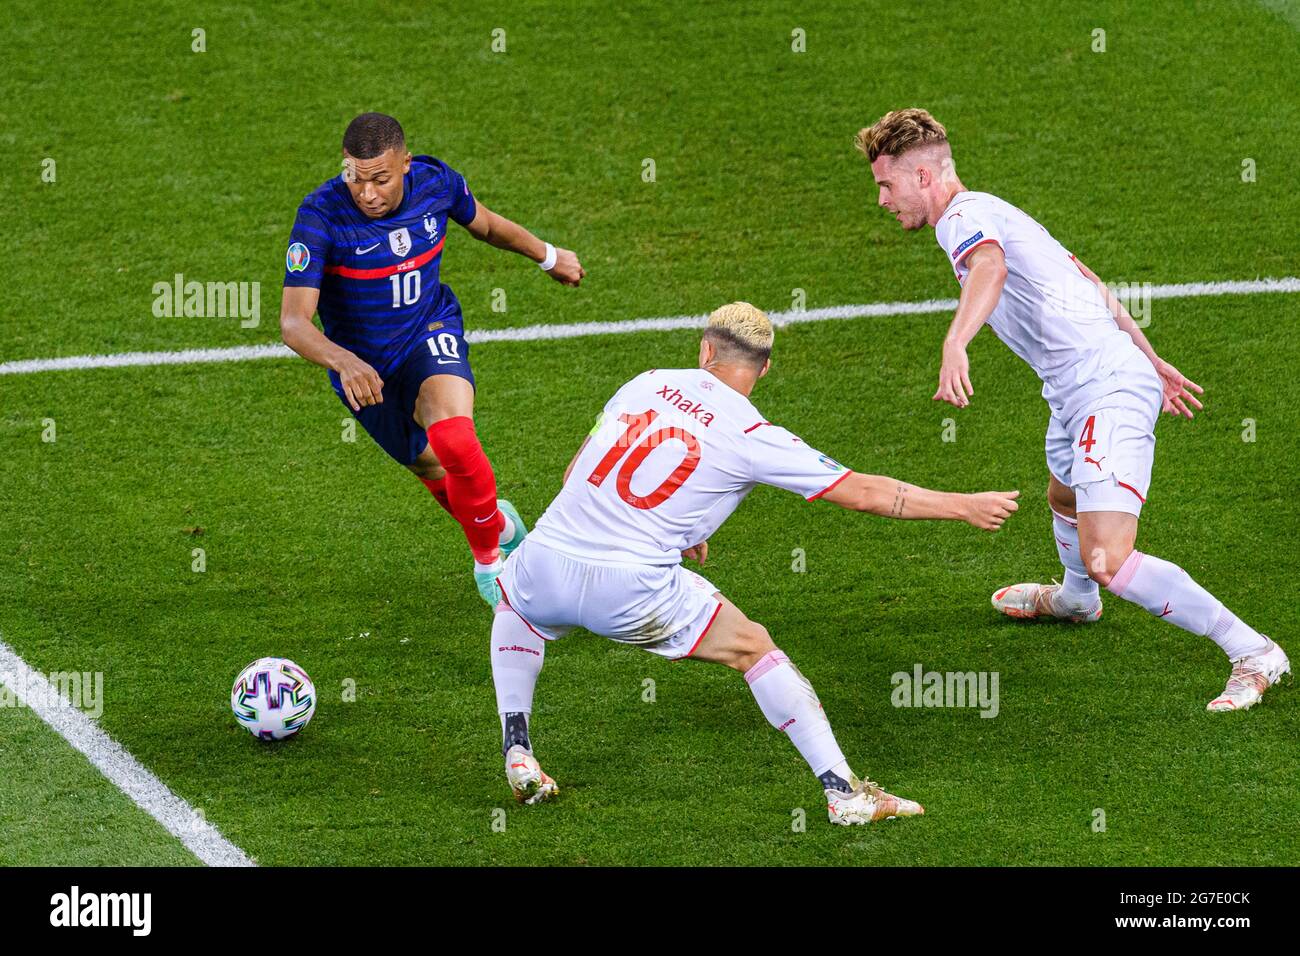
column 361, row 383
column 499, row 231
column 891, row 498
column 979, row 297
column 1178, row 388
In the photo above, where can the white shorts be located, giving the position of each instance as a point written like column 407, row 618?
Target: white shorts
column 665, row 609
column 1105, row 452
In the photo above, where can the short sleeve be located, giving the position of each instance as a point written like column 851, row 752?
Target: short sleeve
column 463, row 207
column 309, row 249
column 781, row 459
column 965, row 227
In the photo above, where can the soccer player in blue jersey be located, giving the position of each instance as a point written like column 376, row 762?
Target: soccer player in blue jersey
column 365, row 253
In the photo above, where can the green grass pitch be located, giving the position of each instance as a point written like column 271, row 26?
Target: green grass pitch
column 173, row 161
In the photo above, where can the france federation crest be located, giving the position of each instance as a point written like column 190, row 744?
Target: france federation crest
column 399, row 240
column 297, row 258
column 431, row 227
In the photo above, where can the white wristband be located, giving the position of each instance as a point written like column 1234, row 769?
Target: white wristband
column 548, row 263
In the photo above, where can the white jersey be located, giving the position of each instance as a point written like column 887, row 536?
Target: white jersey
column 675, row 451
column 1050, row 314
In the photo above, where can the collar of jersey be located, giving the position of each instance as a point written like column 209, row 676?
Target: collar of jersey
column 953, row 201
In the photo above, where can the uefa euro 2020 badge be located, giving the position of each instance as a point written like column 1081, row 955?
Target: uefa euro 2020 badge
column 297, row 258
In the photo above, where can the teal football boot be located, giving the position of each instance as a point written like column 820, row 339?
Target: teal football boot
column 521, row 529
column 486, row 581
column 488, row 589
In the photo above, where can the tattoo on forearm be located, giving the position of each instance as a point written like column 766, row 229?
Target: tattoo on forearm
column 900, row 498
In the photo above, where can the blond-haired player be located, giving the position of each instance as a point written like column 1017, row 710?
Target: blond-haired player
column 1104, row 383
column 674, row 453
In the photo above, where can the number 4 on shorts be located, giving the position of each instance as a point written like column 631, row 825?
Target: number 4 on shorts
column 1086, row 441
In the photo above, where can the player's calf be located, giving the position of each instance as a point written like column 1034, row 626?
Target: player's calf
column 434, row 477
column 790, row 704
column 517, row 654
column 472, row 495
column 1168, row 592
column 471, row 484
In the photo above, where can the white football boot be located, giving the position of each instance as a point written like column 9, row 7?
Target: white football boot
column 526, row 777
column 1040, row 600
column 1251, row 676
column 866, row 804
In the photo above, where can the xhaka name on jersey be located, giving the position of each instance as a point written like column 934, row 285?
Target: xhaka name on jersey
column 674, row 396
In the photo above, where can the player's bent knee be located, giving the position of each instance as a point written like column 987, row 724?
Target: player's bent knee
column 442, row 397
column 1106, row 564
column 431, row 414
column 755, row 642
column 1060, row 498
column 1101, row 575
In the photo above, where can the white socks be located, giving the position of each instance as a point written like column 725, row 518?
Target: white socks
column 790, row 704
column 1167, row 591
column 1164, row 589
column 517, row 655
column 784, row 696
column 1077, row 589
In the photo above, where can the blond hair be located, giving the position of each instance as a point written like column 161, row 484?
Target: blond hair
column 899, row 131
column 738, row 330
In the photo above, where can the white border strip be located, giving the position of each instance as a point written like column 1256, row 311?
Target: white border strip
column 532, row 333
column 112, row 760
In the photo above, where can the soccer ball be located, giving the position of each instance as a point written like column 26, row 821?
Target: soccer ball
column 273, row 698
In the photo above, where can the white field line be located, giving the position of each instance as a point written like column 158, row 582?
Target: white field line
column 530, row 333
column 112, row 760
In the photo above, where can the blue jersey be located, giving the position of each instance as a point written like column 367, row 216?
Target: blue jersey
column 380, row 293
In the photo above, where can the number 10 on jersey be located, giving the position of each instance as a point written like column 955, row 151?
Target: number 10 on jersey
column 406, row 288
column 637, row 424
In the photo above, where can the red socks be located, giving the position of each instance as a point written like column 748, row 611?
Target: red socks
column 471, row 487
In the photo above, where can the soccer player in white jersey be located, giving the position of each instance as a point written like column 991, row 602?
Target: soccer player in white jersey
column 1104, row 383
column 674, row 453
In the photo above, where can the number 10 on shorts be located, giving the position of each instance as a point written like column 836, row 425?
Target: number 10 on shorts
column 444, row 346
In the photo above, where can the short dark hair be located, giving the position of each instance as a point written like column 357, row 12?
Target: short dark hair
column 732, row 348
column 371, row 135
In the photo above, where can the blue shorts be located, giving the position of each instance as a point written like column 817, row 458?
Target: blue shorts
column 392, row 422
